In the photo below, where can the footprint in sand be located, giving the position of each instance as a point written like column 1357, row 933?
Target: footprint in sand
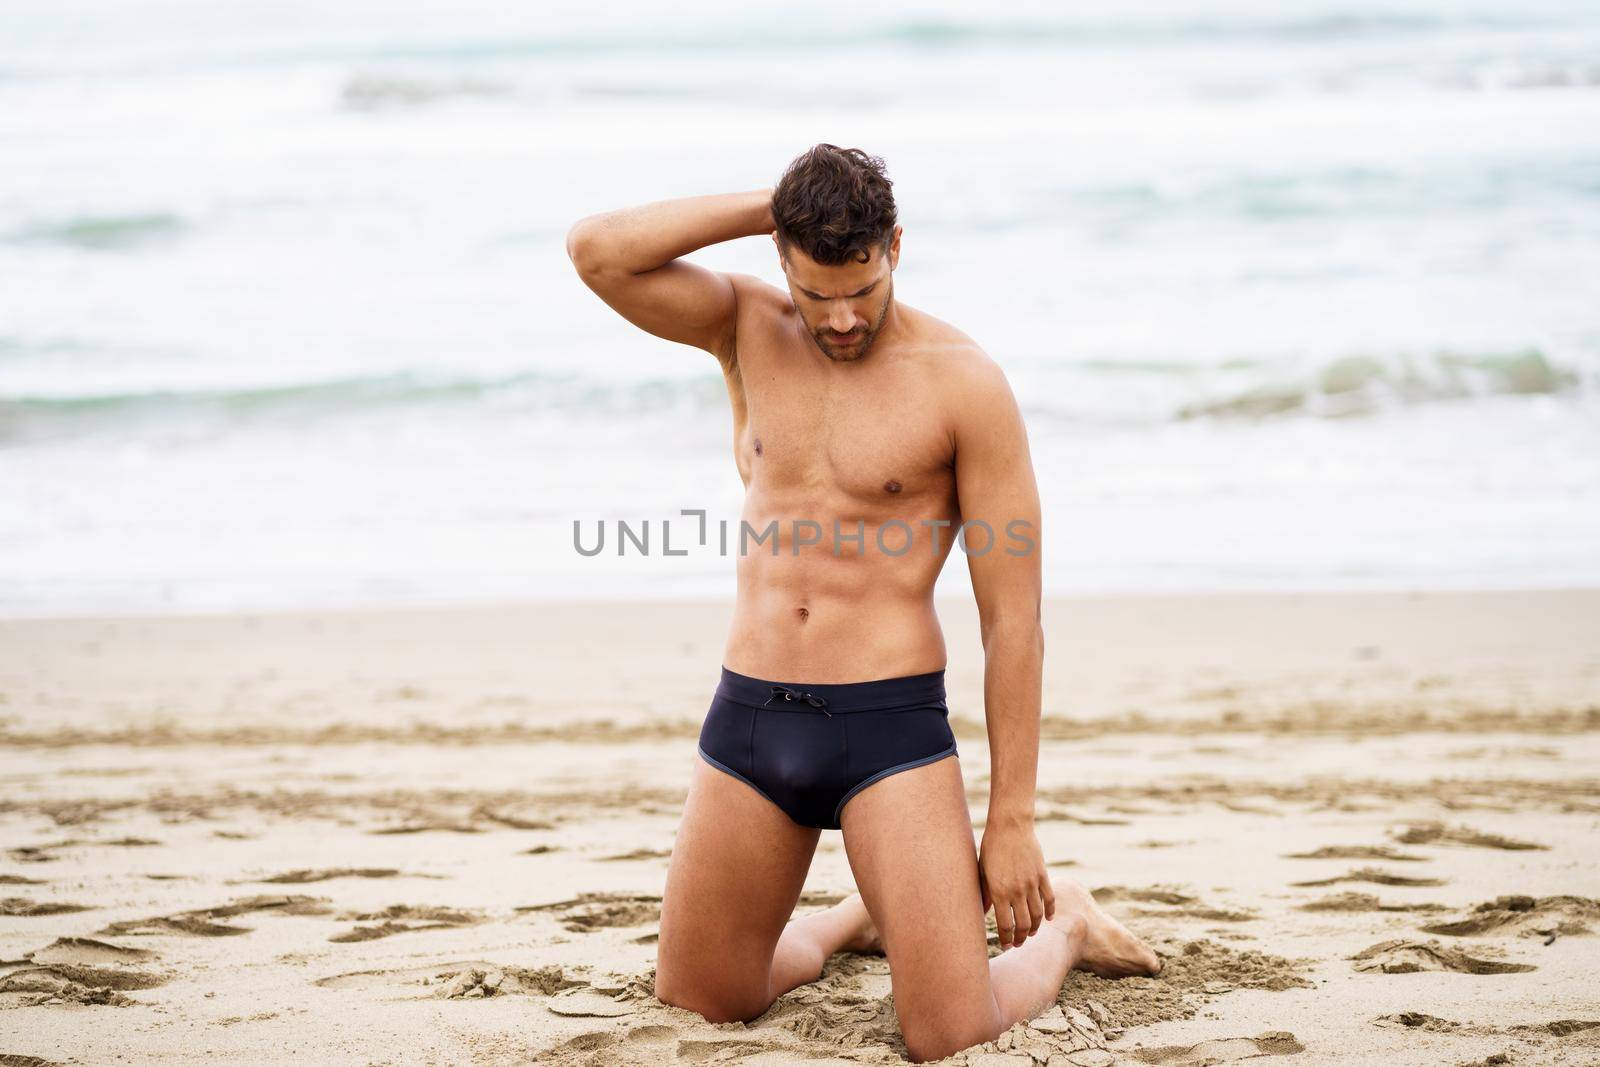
column 22, row 907
column 1362, row 902
column 12, row 1059
column 200, row 922
column 192, row 925
column 1154, row 894
column 597, row 911
column 1356, row 852
column 1197, row 911
column 1524, row 916
column 301, row 877
column 401, row 919
column 1062, row 815
column 1372, row 874
column 650, row 1045
column 46, row 853
column 1401, row 956
column 637, row 854
column 586, row 1003
column 468, row 980
column 1178, row 904
column 429, row 826
column 87, row 952
column 515, row 822
column 478, row 983
column 583, row 1049
column 67, row 982
column 652, row 1035
column 384, row 929
column 17, row 879
column 1416, row 1020
column 1437, row 833
column 1559, row 1028
column 1222, row 1050
column 1245, row 809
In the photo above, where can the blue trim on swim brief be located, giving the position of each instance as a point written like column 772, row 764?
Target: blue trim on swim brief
column 859, row 786
column 723, row 767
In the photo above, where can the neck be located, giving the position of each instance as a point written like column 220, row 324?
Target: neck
column 893, row 324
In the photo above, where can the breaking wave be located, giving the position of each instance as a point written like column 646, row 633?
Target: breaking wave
column 1350, row 386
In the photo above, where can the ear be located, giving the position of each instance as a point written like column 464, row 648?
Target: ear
column 894, row 248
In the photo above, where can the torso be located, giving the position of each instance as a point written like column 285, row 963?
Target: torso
column 861, row 444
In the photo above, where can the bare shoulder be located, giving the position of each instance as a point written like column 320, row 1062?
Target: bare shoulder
column 759, row 303
column 972, row 382
column 756, row 292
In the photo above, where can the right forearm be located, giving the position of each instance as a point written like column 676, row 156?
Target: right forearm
column 637, row 239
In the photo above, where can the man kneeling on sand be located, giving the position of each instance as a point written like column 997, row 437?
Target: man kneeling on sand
column 891, row 432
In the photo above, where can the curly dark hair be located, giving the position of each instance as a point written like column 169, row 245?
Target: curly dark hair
column 835, row 204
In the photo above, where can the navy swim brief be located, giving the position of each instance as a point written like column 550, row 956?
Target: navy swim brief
column 810, row 748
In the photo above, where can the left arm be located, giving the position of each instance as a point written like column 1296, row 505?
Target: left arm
column 996, row 489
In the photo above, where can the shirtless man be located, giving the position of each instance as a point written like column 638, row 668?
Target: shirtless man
column 866, row 433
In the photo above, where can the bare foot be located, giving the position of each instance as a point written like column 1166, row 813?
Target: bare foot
column 1110, row 950
column 865, row 940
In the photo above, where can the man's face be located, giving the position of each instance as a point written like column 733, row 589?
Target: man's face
column 843, row 307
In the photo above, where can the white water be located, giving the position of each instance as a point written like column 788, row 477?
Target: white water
column 1290, row 300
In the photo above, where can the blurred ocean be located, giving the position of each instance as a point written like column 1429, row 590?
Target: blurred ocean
column 1293, row 296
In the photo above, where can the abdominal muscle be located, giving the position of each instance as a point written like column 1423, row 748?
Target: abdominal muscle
column 816, row 617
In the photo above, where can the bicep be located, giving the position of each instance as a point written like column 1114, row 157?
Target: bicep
column 998, row 497
column 678, row 301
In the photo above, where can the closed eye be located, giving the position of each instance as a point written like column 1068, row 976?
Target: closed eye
column 852, row 296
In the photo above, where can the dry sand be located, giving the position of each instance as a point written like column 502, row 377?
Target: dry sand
column 1362, row 828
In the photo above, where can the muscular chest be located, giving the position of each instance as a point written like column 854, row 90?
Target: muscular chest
column 873, row 440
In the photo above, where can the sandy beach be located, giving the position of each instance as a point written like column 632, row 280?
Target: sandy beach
column 1360, row 828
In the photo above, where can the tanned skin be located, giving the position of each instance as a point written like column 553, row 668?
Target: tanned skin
column 850, row 406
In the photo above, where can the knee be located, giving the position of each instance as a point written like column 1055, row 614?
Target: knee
column 709, row 1004
column 934, row 1041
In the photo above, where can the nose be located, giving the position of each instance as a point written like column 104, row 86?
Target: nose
column 841, row 319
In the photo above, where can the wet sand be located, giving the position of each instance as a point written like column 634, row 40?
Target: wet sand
column 1360, row 828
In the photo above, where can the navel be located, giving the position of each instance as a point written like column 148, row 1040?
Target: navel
column 892, row 486
column 804, row 613
column 758, row 446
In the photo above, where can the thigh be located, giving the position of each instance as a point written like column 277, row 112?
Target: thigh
column 910, row 844
column 737, row 869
